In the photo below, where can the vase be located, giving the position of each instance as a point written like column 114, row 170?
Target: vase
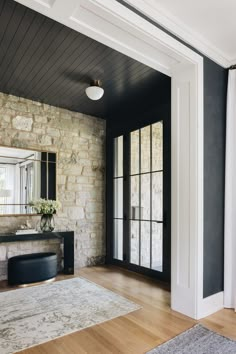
column 47, row 223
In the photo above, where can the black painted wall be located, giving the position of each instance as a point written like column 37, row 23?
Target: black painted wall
column 215, row 86
column 215, row 89
column 142, row 106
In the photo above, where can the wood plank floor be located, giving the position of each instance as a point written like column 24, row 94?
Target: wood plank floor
column 138, row 331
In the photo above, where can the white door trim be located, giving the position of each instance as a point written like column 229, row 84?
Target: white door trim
column 187, row 190
column 111, row 23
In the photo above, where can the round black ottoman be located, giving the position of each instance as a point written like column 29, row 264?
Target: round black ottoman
column 32, row 268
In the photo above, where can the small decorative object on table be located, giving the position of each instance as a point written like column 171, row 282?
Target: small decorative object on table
column 26, row 228
column 47, row 208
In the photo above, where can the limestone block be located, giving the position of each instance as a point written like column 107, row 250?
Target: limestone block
column 81, row 202
column 3, row 270
column 95, row 217
column 33, row 108
column 14, row 247
column 75, row 213
column 73, row 170
column 72, row 187
column 41, row 119
column 67, row 196
column 39, row 130
column 9, row 111
column 65, row 115
column 71, row 179
column 3, row 253
column 4, row 125
column 19, row 107
column 94, row 207
column 85, row 195
column 22, row 123
column 83, row 142
column 13, row 98
column 53, row 132
column 89, row 171
column 44, row 140
column 82, row 180
column 99, row 183
column 6, row 118
column 82, row 154
column 61, row 179
column 48, row 108
column 26, row 246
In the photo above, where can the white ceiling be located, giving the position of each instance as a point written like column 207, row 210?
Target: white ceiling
column 12, row 155
column 209, row 25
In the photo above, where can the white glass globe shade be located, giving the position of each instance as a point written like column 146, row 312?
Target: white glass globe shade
column 94, row 92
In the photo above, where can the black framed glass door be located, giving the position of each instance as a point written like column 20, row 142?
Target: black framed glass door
column 141, row 240
column 146, row 197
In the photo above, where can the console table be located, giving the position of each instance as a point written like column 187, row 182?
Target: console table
column 67, row 237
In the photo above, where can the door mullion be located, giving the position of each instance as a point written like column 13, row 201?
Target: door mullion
column 140, row 191
column 150, row 197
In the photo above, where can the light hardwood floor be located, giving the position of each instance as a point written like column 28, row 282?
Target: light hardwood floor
column 138, row 331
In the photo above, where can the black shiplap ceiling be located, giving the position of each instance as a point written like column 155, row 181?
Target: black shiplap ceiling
column 43, row 60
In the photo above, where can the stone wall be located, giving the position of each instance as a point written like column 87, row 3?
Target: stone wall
column 79, row 141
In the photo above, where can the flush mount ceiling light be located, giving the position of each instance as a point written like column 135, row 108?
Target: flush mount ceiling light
column 94, row 91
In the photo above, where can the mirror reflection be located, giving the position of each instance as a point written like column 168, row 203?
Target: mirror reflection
column 25, row 175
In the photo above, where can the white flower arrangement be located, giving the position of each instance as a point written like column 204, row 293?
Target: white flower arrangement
column 45, row 206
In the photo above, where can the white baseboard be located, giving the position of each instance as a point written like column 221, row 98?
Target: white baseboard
column 210, row 305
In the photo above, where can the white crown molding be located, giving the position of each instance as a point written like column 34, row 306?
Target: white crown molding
column 176, row 27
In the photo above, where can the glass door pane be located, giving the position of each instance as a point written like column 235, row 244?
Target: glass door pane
column 145, row 149
column 134, row 198
column 134, row 242
column 134, row 146
column 145, row 244
column 118, row 208
column 118, row 239
column 145, row 196
column 118, row 156
column 157, row 246
column 157, row 146
column 118, row 198
column 157, row 196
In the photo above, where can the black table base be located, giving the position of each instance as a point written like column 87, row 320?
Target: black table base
column 66, row 237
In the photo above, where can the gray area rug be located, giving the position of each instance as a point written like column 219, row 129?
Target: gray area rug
column 41, row 313
column 197, row 340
